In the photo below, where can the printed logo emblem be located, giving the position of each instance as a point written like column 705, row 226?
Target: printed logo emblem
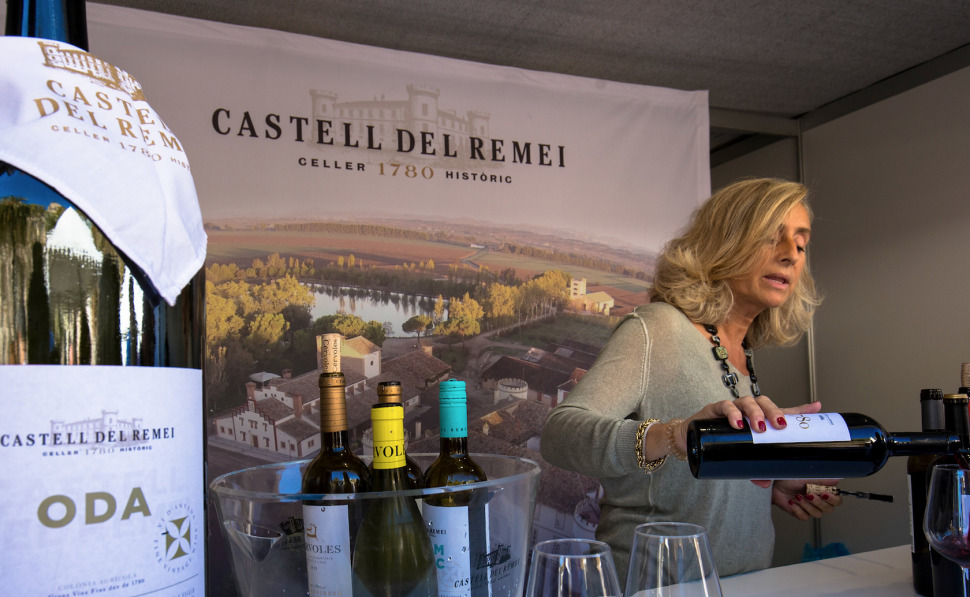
column 89, row 65
column 176, row 539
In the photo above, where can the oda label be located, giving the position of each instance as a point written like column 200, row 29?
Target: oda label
column 58, row 511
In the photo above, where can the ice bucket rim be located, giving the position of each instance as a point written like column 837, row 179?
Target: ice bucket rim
column 219, row 484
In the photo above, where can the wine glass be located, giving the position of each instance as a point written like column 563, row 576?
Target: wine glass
column 947, row 519
column 671, row 559
column 572, row 567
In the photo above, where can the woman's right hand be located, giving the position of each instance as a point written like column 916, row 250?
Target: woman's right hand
column 760, row 411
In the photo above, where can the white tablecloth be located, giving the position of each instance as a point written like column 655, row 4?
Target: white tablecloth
column 882, row 573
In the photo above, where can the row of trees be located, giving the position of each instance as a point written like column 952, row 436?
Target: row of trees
column 275, row 266
column 494, row 305
column 265, row 326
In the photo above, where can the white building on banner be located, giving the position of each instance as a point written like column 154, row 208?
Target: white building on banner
column 282, row 413
column 392, row 123
column 276, row 417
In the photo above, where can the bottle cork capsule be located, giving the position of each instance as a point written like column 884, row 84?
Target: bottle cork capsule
column 389, row 392
column 333, row 402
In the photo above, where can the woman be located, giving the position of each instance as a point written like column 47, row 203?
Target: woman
column 737, row 279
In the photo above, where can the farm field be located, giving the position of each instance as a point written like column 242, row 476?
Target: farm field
column 241, row 247
column 526, row 267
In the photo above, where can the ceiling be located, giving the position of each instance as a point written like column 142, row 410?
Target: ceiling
column 764, row 62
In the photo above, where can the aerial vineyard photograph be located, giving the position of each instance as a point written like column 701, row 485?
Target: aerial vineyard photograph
column 518, row 316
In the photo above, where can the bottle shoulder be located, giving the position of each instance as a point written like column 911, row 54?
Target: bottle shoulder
column 336, row 473
column 395, row 479
column 453, row 470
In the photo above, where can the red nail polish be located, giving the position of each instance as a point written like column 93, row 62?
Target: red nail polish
column 740, row 423
column 791, row 503
column 782, row 421
column 798, row 497
column 761, row 425
column 811, row 497
column 826, row 496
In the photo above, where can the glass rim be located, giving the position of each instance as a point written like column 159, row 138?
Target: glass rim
column 680, row 529
column 947, row 469
column 601, row 547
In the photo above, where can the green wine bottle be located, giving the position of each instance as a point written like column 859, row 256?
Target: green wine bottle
column 390, row 392
column 96, row 355
column 392, row 556
column 330, row 526
column 457, row 521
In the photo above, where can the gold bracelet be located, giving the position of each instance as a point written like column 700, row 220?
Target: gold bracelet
column 671, row 442
column 652, row 465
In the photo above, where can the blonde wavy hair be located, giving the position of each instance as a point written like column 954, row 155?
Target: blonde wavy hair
column 726, row 239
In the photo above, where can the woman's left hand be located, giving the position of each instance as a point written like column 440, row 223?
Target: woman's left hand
column 790, row 496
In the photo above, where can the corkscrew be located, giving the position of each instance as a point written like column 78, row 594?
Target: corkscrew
column 820, row 489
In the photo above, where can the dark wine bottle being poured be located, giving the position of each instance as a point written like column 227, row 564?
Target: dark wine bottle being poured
column 811, row 446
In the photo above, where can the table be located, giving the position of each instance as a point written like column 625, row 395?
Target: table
column 881, row 573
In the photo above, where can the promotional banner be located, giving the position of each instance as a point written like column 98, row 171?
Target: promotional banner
column 449, row 219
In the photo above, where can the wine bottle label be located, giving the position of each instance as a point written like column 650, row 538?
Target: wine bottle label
column 819, row 427
column 104, row 481
column 327, row 541
column 448, row 528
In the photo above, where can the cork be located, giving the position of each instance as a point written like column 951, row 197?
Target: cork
column 965, row 375
column 330, row 352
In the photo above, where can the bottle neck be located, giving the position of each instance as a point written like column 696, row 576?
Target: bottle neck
column 335, row 442
column 388, row 436
column 956, row 418
column 931, row 410
column 58, row 20
column 927, row 442
column 333, row 403
column 454, row 446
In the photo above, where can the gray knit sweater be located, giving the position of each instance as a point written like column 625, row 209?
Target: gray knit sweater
column 656, row 365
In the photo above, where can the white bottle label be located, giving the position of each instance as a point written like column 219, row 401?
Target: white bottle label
column 103, row 481
column 448, row 527
column 819, row 427
column 327, row 536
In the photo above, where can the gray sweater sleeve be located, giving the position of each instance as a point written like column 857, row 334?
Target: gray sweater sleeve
column 589, row 432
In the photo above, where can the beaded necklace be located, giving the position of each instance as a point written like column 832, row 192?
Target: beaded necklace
column 729, row 378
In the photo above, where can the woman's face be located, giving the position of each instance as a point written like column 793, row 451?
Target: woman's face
column 774, row 277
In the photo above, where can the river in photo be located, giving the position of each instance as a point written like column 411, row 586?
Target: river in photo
column 371, row 305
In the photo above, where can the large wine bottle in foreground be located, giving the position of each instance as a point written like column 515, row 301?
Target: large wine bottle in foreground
column 102, row 433
column 330, row 526
column 458, row 522
column 917, row 471
column 392, row 555
column 812, row 446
